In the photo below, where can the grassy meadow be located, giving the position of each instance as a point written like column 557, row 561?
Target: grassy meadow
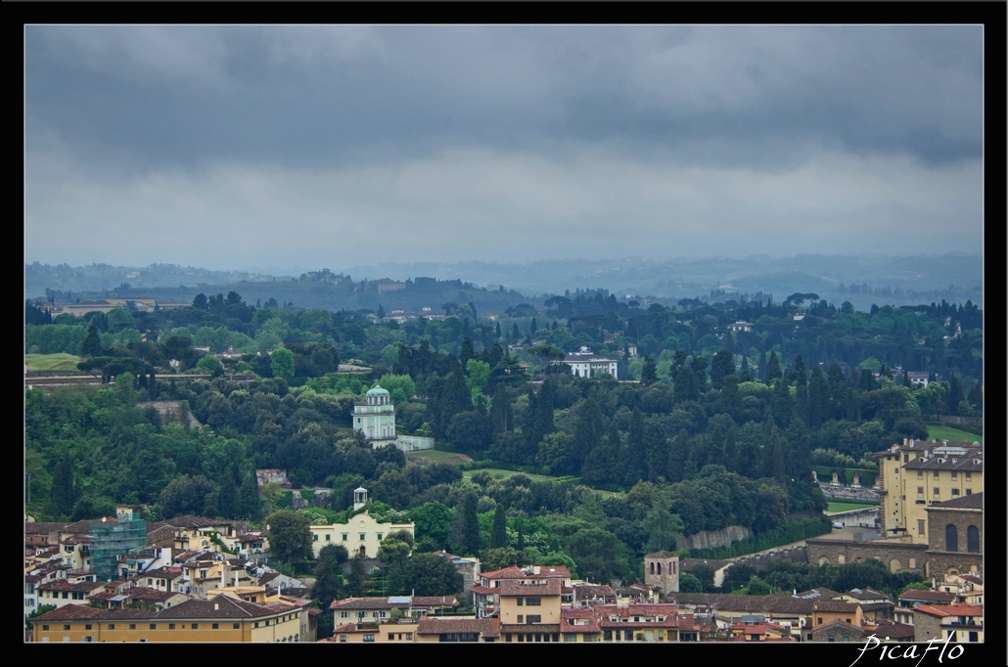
column 52, row 362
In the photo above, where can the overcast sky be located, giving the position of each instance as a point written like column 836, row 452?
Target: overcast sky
column 309, row 147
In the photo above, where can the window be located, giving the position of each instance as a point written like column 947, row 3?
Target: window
column 920, row 526
column 920, row 474
column 344, row 537
column 521, row 601
column 969, row 476
column 955, row 475
column 937, row 492
column 535, row 618
column 955, row 492
column 951, row 538
column 234, row 626
column 314, row 538
column 533, row 602
column 327, row 538
column 368, row 638
column 972, row 539
column 937, row 474
column 132, row 626
column 195, row 626
column 111, row 626
column 363, row 537
column 171, row 626
column 379, row 537
column 521, row 618
column 153, row 626
column 920, row 490
column 342, row 638
column 215, row 626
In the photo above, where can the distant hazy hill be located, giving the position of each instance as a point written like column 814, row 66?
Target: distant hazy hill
column 492, row 287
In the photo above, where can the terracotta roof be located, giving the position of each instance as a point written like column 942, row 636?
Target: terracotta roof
column 973, row 501
column 914, row 595
column 435, row 601
column 516, row 588
column 950, row 610
column 221, row 606
column 570, row 619
column 888, row 628
column 164, row 572
column 840, row 624
column 433, row 625
column 126, row 613
column 77, row 587
column 367, row 603
column 70, row 612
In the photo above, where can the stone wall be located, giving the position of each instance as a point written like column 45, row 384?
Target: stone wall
column 172, row 411
column 895, row 555
column 714, row 539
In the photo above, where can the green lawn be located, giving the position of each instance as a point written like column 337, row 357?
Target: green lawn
column 941, row 432
column 843, row 507
column 52, row 362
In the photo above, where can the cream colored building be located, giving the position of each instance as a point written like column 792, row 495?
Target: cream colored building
column 361, row 535
column 222, row 619
column 918, row 474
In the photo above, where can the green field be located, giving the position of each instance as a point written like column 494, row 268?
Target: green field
column 52, row 362
column 845, row 506
column 952, row 434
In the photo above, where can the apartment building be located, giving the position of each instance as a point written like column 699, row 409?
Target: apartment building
column 222, row 619
column 919, row 474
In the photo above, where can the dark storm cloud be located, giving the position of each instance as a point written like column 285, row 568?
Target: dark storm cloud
column 442, row 131
column 327, row 94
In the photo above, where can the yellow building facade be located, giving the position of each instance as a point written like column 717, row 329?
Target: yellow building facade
column 918, row 474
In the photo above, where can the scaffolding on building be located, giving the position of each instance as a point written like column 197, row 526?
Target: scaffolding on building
column 111, row 540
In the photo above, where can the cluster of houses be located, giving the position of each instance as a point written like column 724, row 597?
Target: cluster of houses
column 194, row 579
column 200, row 580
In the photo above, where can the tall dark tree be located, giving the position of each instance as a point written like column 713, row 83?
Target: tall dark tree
column 65, row 491
column 329, row 583
column 541, row 415
column 685, row 386
column 289, row 536
column 499, row 538
column 501, row 413
column 468, row 534
column 92, row 346
column 649, row 372
column 773, row 368
column 722, row 365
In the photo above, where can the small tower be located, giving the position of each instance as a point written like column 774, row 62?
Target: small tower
column 359, row 498
column 661, row 571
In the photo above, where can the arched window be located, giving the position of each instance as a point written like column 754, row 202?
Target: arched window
column 951, row 538
column 973, row 539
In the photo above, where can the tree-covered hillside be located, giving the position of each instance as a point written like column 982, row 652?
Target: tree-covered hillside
column 731, row 402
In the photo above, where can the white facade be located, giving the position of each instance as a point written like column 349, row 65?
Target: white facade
column 375, row 417
column 585, row 363
column 361, row 535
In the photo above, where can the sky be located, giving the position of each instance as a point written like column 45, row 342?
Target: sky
column 302, row 147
